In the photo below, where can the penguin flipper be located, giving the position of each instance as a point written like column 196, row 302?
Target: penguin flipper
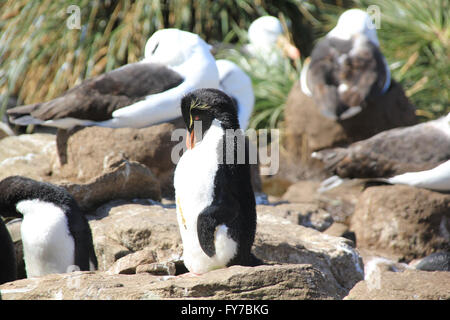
column 207, row 222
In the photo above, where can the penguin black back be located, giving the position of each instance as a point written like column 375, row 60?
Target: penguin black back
column 8, row 267
column 16, row 188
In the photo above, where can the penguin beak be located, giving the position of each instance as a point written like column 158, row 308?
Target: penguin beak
column 288, row 48
column 190, row 140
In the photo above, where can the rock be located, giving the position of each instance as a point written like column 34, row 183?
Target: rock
column 126, row 180
column 5, row 131
column 339, row 201
column 237, row 282
column 29, row 155
column 166, row 268
column 402, row 221
column 126, row 228
column 279, row 240
column 437, row 261
column 129, row 263
column 407, row 285
column 129, row 228
column 305, row 214
column 338, row 229
column 302, row 191
column 306, row 134
column 90, row 150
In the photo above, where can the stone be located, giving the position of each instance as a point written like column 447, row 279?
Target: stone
column 339, row 201
column 119, row 229
column 125, row 180
column 407, row 285
column 437, row 261
column 305, row 214
column 306, row 134
column 166, row 268
column 338, row 229
column 280, row 241
column 289, row 281
column 88, row 151
column 402, row 221
column 5, row 131
column 129, row 263
column 29, row 155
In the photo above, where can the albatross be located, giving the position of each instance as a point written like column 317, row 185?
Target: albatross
column 418, row 156
column 267, row 40
column 346, row 67
column 238, row 85
column 136, row 95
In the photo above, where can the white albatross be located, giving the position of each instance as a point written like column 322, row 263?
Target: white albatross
column 136, row 95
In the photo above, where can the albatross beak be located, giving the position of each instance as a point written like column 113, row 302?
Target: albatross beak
column 288, row 48
column 190, row 140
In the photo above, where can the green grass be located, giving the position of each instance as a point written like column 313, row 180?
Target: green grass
column 40, row 57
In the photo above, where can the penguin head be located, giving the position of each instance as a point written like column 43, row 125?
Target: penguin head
column 201, row 107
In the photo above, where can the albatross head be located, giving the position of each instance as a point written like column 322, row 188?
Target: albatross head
column 172, row 47
column 266, row 33
column 353, row 22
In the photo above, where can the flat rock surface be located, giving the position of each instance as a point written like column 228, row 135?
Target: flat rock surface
column 236, row 282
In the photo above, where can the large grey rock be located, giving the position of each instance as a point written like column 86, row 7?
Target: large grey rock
column 237, row 282
column 407, row 285
column 281, row 241
column 87, row 151
column 402, row 221
column 133, row 227
column 125, row 180
column 29, row 155
column 128, row 228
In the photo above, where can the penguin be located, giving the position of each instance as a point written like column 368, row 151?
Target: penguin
column 55, row 234
column 215, row 202
column 8, row 266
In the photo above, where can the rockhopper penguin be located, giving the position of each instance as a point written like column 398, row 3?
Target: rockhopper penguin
column 55, row 234
column 214, row 196
column 8, row 266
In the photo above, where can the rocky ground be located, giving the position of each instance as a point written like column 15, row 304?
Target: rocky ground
column 351, row 242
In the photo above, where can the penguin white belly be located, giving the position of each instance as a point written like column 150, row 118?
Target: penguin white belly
column 194, row 188
column 47, row 243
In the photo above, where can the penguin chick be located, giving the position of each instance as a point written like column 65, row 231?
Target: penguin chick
column 55, row 234
column 214, row 196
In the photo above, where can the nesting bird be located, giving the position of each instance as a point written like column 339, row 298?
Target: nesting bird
column 136, row 95
column 267, row 40
column 346, row 67
column 214, row 196
column 417, row 155
column 55, row 234
column 238, row 85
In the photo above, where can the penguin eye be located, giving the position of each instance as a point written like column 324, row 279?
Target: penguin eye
column 196, row 118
